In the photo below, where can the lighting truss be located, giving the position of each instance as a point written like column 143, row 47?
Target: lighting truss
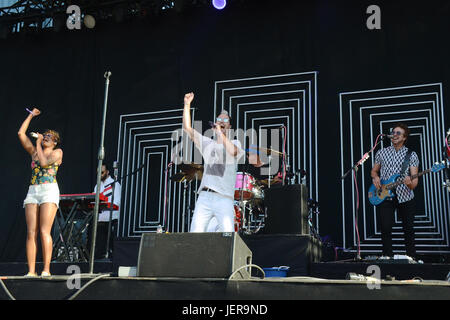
column 40, row 14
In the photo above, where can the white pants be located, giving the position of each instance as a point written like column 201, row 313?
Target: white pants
column 213, row 205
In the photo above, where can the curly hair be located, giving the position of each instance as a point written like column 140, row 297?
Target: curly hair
column 56, row 136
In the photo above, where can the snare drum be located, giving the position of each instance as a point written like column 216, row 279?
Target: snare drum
column 245, row 183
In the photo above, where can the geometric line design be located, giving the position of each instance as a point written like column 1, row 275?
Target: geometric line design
column 269, row 102
column 364, row 115
column 144, row 151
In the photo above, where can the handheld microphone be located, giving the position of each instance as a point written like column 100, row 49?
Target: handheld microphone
column 34, row 135
column 389, row 136
column 212, row 124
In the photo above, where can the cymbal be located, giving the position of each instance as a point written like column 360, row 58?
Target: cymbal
column 178, row 177
column 252, row 149
column 189, row 167
column 274, row 180
column 270, row 151
column 189, row 172
column 181, row 177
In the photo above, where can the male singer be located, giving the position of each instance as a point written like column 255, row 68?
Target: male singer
column 216, row 195
column 389, row 161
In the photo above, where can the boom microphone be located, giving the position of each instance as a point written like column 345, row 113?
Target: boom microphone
column 389, row 136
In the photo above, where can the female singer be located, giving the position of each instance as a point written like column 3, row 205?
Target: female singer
column 42, row 200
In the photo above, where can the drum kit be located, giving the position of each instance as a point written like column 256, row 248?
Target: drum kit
column 249, row 210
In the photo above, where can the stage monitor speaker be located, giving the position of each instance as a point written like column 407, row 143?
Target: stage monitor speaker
column 287, row 210
column 193, row 255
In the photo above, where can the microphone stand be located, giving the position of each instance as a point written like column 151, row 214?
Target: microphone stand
column 361, row 161
column 446, row 157
column 270, row 170
column 355, row 169
column 101, row 156
column 283, row 161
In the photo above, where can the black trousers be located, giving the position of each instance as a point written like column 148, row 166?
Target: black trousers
column 405, row 212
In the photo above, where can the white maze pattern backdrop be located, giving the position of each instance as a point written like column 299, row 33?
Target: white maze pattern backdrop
column 270, row 102
column 365, row 114
column 149, row 197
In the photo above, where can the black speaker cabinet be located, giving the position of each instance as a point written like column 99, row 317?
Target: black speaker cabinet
column 193, row 255
column 287, row 210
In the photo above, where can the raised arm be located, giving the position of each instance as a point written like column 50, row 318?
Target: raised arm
column 188, row 97
column 22, row 134
column 230, row 147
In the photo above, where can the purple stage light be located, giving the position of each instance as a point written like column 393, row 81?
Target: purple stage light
column 219, row 4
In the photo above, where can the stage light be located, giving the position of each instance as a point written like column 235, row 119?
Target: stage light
column 219, row 4
column 89, row 21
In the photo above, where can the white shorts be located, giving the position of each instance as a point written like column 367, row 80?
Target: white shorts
column 42, row 193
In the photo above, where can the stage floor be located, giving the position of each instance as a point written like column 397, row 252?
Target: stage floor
column 104, row 287
column 308, row 279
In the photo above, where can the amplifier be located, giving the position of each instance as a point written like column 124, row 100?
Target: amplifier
column 193, row 255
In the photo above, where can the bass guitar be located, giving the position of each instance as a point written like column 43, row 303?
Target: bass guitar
column 377, row 196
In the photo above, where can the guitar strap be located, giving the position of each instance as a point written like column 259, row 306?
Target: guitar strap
column 405, row 165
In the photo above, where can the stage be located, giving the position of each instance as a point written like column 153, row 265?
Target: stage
column 289, row 288
column 308, row 278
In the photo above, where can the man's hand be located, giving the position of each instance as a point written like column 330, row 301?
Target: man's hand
column 376, row 182
column 408, row 182
column 188, row 97
column 218, row 129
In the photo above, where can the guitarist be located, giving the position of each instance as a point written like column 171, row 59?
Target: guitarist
column 390, row 161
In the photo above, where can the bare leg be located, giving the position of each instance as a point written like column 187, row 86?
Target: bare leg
column 47, row 216
column 32, row 219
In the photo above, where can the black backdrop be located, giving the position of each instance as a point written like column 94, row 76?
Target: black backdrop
column 156, row 60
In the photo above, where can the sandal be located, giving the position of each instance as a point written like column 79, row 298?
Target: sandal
column 31, row 275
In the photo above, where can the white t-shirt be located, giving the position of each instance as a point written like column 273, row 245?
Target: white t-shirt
column 219, row 173
column 104, row 215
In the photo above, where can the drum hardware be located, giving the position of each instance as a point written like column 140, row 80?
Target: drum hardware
column 253, row 216
column 250, row 213
column 189, row 172
column 270, row 170
column 313, row 208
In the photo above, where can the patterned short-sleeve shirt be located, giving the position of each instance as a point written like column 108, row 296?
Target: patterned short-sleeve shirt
column 391, row 162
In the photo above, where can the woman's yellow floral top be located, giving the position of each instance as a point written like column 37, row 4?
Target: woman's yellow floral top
column 40, row 175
